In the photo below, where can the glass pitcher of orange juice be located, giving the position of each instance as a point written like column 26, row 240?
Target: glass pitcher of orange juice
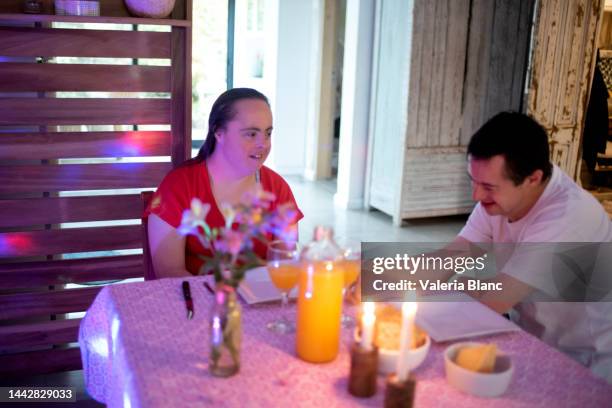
column 320, row 299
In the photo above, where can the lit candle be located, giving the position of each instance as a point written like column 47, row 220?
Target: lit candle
column 367, row 325
column 407, row 330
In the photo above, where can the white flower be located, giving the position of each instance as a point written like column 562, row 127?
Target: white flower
column 194, row 217
column 229, row 213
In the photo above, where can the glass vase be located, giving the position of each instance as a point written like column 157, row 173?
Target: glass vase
column 225, row 333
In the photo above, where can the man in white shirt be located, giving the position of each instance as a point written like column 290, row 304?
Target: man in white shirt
column 523, row 198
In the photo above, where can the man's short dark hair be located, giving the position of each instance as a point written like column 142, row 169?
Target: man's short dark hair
column 519, row 139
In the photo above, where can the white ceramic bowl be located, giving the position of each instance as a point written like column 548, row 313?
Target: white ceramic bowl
column 480, row 384
column 387, row 359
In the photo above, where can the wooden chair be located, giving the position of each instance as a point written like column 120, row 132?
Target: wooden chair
column 149, row 273
column 39, row 254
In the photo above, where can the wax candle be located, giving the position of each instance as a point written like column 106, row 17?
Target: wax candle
column 367, row 325
column 407, row 331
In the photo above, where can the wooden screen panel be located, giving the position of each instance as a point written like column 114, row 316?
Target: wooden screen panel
column 27, row 146
column 17, row 77
column 39, row 334
column 20, row 305
column 40, row 362
column 84, row 111
column 66, row 177
column 69, row 240
column 46, row 273
column 58, row 42
column 56, row 210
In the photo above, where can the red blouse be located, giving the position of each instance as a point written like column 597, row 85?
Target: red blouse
column 191, row 180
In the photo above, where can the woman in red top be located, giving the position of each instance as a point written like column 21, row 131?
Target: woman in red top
column 229, row 164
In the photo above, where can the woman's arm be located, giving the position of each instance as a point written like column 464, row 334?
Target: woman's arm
column 167, row 249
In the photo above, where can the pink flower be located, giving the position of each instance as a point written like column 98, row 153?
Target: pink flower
column 231, row 242
column 258, row 198
column 286, row 213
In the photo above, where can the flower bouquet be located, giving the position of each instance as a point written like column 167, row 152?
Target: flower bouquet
column 232, row 253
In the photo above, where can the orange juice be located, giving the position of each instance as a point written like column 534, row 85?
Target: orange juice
column 284, row 275
column 319, row 311
column 351, row 270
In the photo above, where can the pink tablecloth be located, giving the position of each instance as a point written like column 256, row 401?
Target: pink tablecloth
column 139, row 350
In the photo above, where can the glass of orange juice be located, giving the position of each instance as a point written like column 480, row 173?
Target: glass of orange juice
column 351, row 267
column 284, row 270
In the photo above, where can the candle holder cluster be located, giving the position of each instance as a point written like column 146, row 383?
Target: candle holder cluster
column 363, row 379
column 400, row 386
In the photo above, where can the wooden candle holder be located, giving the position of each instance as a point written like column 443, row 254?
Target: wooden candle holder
column 399, row 394
column 364, row 370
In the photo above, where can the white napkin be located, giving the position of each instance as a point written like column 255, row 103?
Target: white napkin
column 256, row 287
column 460, row 319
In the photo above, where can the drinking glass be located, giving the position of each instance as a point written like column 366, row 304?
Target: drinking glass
column 351, row 266
column 284, row 270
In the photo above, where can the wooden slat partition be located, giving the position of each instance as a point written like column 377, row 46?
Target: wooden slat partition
column 21, row 305
column 36, row 282
column 41, row 362
column 45, row 273
column 84, row 111
column 40, row 334
column 57, row 42
column 27, row 146
column 68, row 240
column 56, row 210
column 17, row 77
column 66, row 177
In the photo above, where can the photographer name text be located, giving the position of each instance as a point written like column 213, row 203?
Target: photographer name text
column 436, row 285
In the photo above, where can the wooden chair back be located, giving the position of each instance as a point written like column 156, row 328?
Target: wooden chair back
column 149, row 272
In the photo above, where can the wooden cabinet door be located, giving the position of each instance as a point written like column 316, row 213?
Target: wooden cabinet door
column 441, row 69
column 562, row 66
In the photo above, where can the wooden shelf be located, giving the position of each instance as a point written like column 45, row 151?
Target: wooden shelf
column 52, row 18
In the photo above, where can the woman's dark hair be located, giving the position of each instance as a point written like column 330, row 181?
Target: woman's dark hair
column 222, row 112
column 519, row 139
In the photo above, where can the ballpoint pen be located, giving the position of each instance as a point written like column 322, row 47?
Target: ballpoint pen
column 187, row 297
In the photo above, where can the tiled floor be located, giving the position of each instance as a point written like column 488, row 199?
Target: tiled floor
column 316, row 202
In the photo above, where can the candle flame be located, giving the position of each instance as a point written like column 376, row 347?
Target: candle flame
column 367, row 325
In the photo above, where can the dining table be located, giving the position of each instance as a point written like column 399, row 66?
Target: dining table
column 139, row 349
